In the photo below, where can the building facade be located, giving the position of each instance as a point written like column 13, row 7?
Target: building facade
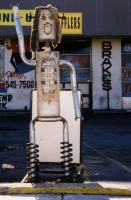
column 96, row 40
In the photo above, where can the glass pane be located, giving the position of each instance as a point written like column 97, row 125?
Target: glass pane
column 81, row 75
column 85, row 102
column 126, row 75
column 77, row 47
column 68, row 86
column 84, row 87
column 61, row 75
column 73, row 48
column 126, row 46
column 78, row 61
column 126, row 60
column 126, row 89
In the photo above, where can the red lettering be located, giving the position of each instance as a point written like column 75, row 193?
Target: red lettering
column 126, row 86
column 85, row 59
column 10, row 75
column 82, row 60
column 73, row 60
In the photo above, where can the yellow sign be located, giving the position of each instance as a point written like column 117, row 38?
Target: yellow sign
column 71, row 22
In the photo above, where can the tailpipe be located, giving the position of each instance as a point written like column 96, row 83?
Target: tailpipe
column 19, row 32
column 73, row 87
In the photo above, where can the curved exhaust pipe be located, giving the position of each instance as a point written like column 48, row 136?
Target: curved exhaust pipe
column 73, row 87
column 19, row 32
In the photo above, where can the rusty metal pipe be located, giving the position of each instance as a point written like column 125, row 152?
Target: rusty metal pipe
column 32, row 151
column 73, row 86
column 19, row 32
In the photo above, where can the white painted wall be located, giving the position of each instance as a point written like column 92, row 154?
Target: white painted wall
column 100, row 99
column 23, row 81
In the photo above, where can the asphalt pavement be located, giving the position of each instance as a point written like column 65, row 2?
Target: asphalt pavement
column 106, row 146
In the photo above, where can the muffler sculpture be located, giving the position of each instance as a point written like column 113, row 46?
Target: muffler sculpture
column 46, row 30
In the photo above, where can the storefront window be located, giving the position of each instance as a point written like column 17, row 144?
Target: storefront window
column 126, row 68
column 81, row 64
column 78, row 53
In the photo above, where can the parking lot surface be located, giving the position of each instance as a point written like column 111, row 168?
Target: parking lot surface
column 106, row 146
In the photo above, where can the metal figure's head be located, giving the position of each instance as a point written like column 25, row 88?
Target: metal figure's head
column 46, row 27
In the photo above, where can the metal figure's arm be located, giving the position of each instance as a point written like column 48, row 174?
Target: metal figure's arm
column 73, row 87
column 21, row 37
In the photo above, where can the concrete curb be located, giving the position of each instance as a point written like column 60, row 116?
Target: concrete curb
column 90, row 188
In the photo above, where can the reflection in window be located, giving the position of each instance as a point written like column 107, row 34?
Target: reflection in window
column 77, row 53
column 74, row 48
column 126, row 68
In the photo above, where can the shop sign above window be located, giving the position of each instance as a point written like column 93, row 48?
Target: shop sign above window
column 71, row 22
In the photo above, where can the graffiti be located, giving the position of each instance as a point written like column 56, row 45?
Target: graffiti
column 106, row 65
column 20, row 84
column 4, row 99
column 11, row 75
column 81, row 60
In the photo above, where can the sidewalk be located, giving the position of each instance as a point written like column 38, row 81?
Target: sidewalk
column 88, row 188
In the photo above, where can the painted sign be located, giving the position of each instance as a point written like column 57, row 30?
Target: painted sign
column 4, row 100
column 106, row 74
column 81, row 64
column 71, row 22
column 106, row 65
column 81, row 75
column 19, row 77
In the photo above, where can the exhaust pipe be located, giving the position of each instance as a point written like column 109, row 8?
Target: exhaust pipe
column 73, row 87
column 19, row 32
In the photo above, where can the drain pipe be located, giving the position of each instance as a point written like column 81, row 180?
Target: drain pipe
column 73, row 86
column 19, row 32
